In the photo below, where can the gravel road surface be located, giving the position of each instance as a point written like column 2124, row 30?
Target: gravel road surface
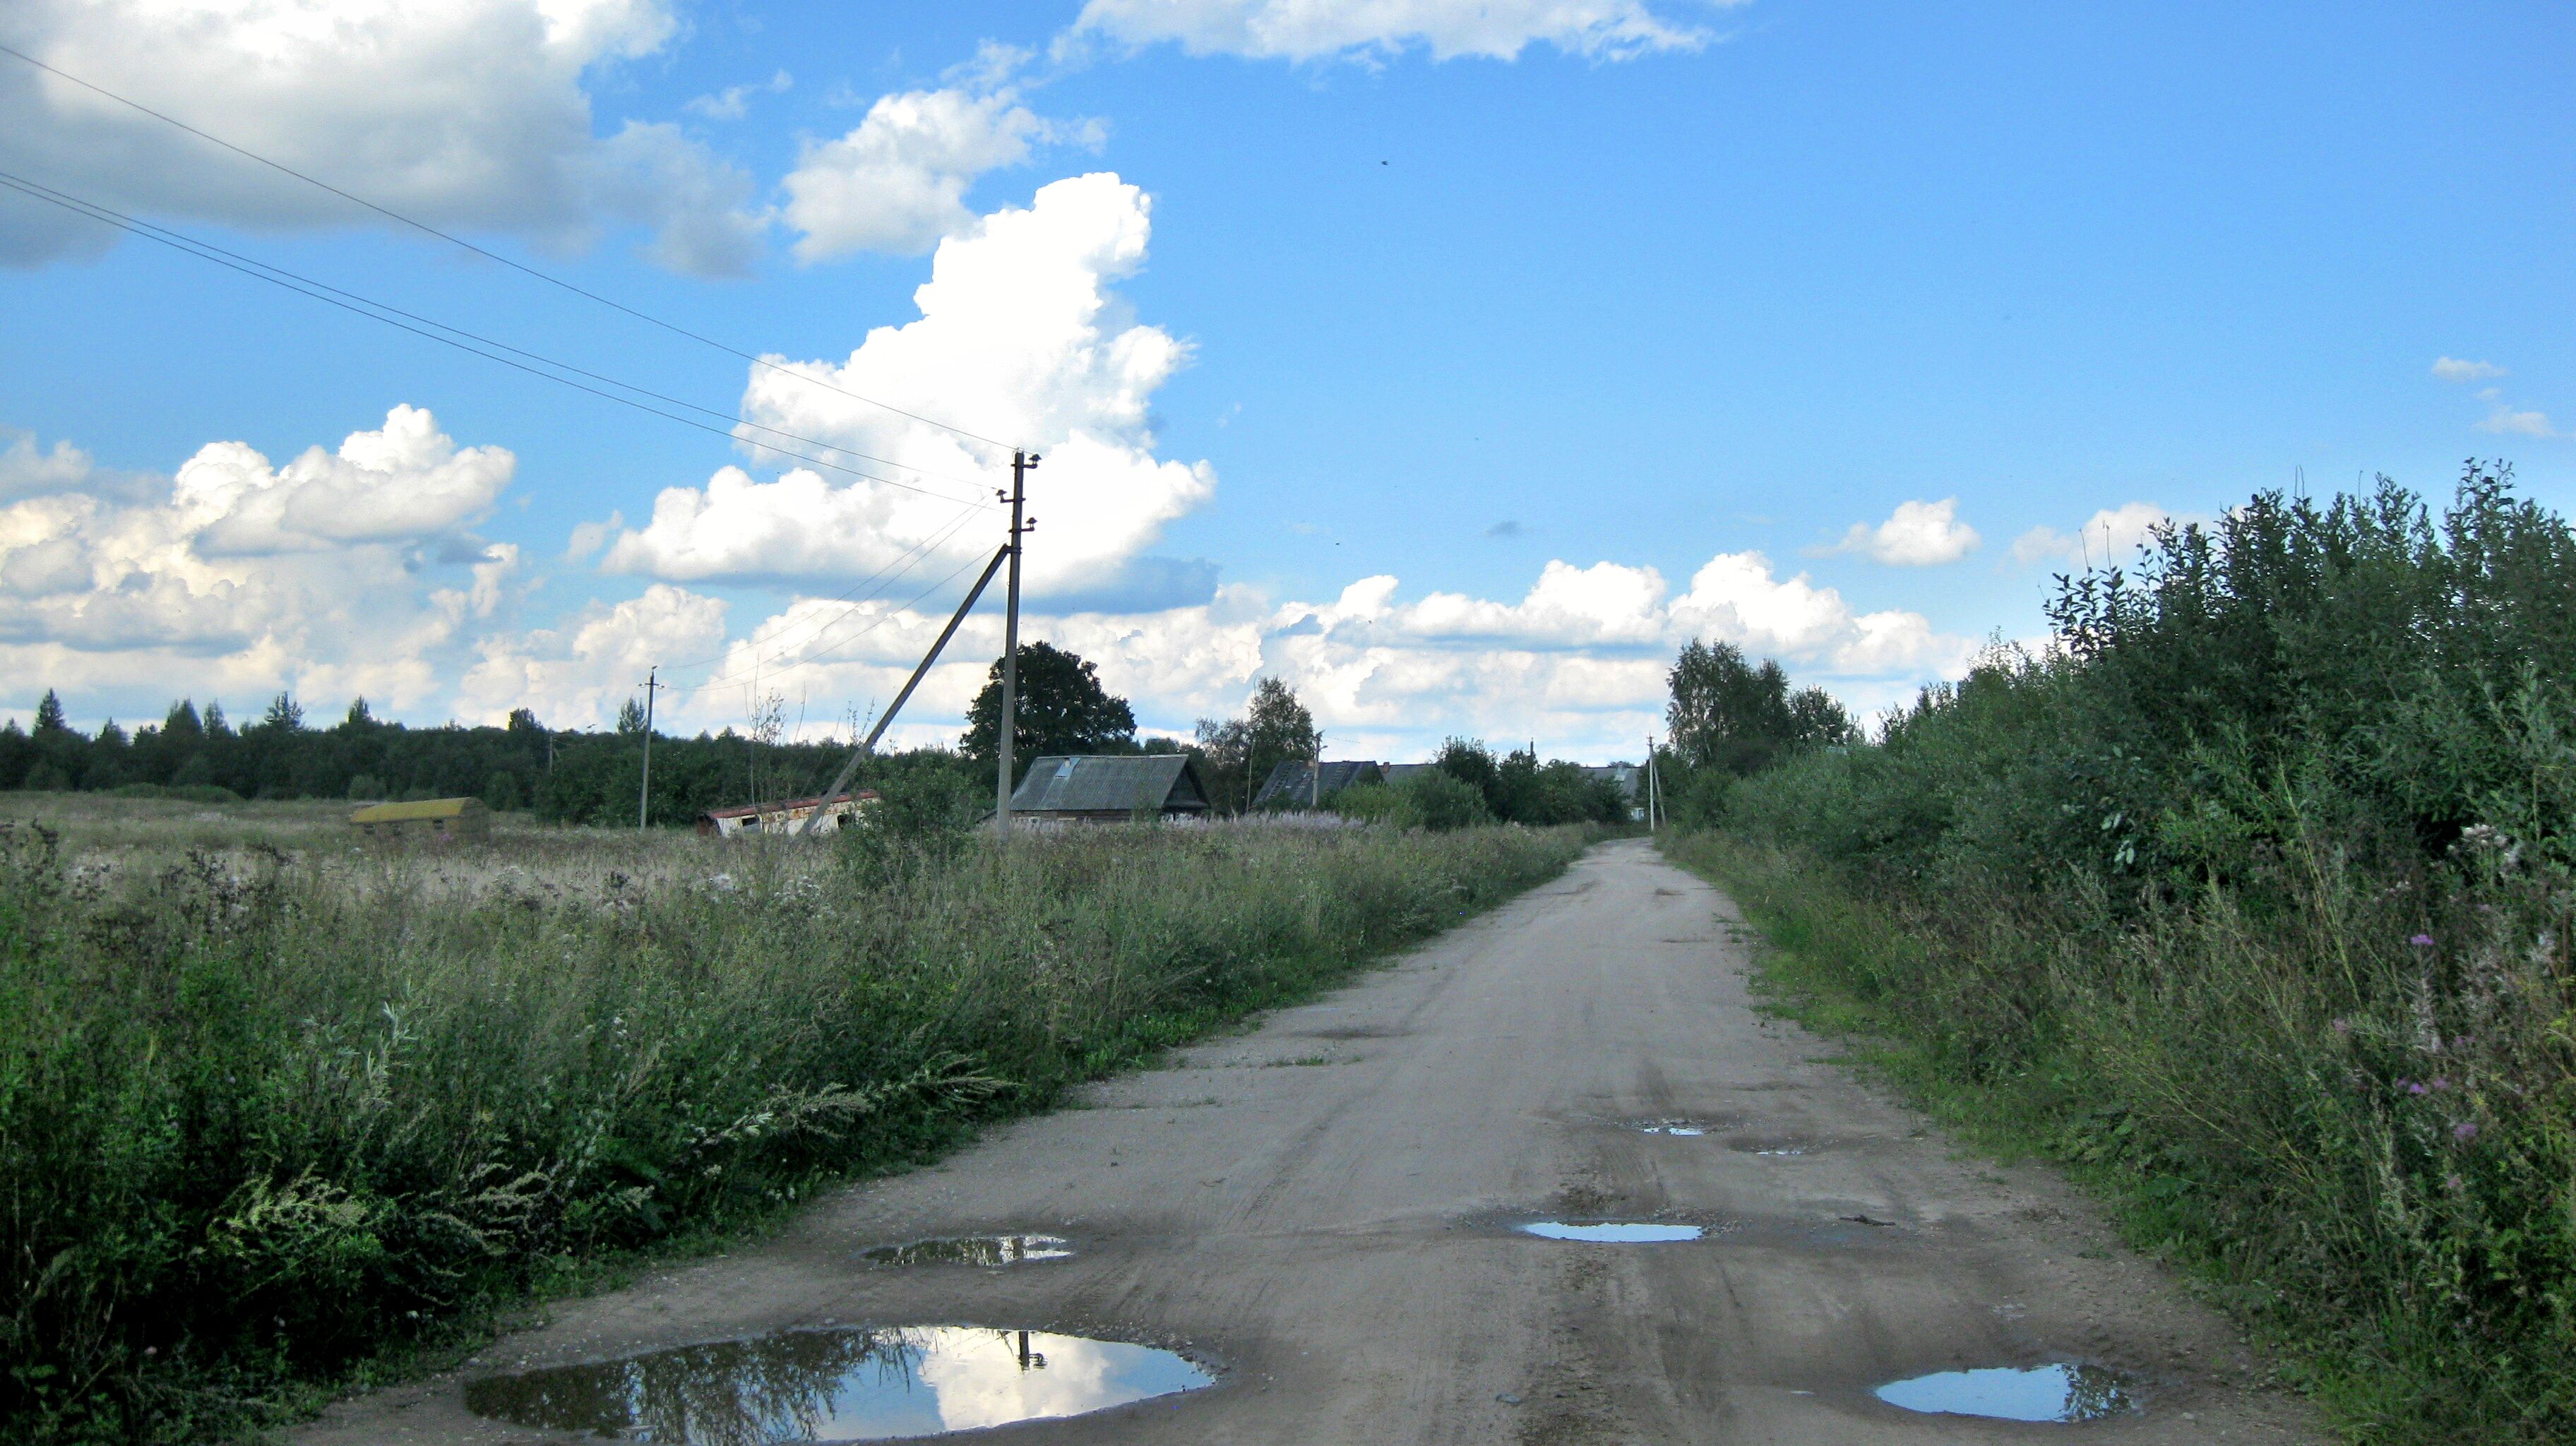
column 1325, row 1212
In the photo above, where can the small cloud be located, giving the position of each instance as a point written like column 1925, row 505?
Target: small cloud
column 2521, row 424
column 2103, row 537
column 1505, row 528
column 2452, row 369
column 1917, row 534
column 590, row 537
column 733, row 101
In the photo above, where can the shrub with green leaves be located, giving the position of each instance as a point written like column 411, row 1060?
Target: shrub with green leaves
column 2262, row 885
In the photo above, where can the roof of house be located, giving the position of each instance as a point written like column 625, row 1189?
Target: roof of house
column 426, row 808
column 1294, row 780
column 787, row 805
column 1625, row 775
column 1092, row 783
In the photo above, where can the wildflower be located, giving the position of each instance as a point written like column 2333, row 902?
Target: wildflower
column 2441, row 1082
column 2465, row 1131
column 2454, row 1182
column 2342, row 1028
column 2422, row 941
column 2413, row 1088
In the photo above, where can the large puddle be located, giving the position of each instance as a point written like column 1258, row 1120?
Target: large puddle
column 2039, row 1393
column 837, row 1385
column 1611, row 1232
column 974, row 1250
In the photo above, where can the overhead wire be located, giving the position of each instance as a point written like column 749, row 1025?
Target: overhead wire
column 387, row 314
column 547, row 277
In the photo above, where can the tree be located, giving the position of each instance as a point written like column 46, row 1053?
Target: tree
column 1276, row 729
column 49, row 717
column 1221, row 748
column 1061, row 708
column 630, row 718
column 1728, row 714
column 284, row 715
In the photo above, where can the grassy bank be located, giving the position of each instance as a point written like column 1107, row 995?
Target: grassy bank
column 268, row 1115
column 2252, row 901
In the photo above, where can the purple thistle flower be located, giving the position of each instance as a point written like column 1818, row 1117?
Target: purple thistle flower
column 2414, row 1089
column 2422, row 941
column 2465, row 1131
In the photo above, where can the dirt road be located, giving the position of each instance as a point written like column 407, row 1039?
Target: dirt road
column 1325, row 1211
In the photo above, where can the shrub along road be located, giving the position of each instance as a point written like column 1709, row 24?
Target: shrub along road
column 1324, row 1210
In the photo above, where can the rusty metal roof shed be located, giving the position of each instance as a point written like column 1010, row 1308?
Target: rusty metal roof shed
column 1097, row 786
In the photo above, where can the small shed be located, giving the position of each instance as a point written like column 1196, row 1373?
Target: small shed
column 1301, row 783
column 435, row 818
column 1091, row 788
column 782, row 815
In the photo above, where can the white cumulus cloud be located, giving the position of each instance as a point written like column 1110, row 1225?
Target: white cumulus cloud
column 2518, row 423
column 1917, row 534
column 897, row 181
column 464, row 113
column 2452, row 369
column 1020, row 337
column 1301, row 30
column 2107, row 536
column 236, row 576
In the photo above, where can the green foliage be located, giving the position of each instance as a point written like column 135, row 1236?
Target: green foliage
column 1060, row 707
column 1429, row 798
column 266, row 1116
column 1519, row 789
column 1726, row 714
column 923, row 818
column 2259, row 894
column 1236, row 755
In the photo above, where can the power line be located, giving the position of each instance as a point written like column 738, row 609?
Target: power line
column 382, row 312
column 550, row 279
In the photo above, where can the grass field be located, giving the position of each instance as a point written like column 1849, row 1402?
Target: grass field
column 279, row 1110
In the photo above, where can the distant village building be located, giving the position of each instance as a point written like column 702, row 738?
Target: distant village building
column 433, row 818
column 783, row 815
column 1301, row 783
column 1091, row 788
column 1627, row 777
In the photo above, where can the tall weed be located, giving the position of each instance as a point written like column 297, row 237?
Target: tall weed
column 2256, row 894
column 267, row 1116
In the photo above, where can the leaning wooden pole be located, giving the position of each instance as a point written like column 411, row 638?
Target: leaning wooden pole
column 868, row 744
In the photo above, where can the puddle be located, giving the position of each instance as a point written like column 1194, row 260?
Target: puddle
column 2040, row 1393
column 1691, row 1128
column 1784, row 1152
column 1611, row 1232
column 974, row 1250
column 837, row 1385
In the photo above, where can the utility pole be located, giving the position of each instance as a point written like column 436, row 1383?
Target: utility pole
column 1654, row 790
column 644, row 796
column 1021, row 464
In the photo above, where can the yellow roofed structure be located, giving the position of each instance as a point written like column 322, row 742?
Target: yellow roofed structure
column 436, row 817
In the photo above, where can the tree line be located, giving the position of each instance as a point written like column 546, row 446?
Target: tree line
column 595, row 776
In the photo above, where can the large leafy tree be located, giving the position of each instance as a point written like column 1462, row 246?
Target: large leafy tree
column 1730, row 715
column 1061, row 708
column 1276, row 728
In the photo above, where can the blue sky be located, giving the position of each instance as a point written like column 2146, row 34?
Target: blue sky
column 1557, row 342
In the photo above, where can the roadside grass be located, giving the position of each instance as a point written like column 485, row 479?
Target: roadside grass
column 280, row 1118
column 1853, row 967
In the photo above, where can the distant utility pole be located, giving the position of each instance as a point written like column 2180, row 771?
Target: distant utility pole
column 1022, row 463
column 1654, row 789
column 644, row 795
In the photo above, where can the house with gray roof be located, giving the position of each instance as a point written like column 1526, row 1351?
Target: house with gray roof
column 1297, row 783
column 1096, row 788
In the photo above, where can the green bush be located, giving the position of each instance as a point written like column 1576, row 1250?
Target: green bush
column 2261, row 887
column 264, row 1117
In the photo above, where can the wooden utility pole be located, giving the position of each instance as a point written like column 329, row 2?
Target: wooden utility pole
column 1654, row 789
column 1021, row 464
column 644, row 795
